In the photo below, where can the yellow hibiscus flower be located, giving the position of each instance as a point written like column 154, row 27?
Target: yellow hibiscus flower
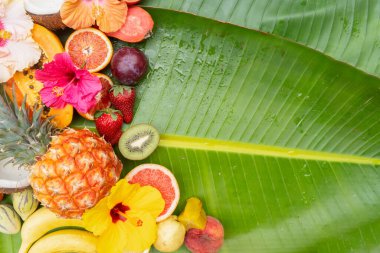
column 126, row 219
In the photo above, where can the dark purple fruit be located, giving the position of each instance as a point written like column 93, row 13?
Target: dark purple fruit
column 129, row 65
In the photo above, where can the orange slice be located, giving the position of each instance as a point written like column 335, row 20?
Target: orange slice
column 89, row 49
column 102, row 98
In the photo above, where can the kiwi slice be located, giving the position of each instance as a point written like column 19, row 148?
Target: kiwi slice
column 139, row 141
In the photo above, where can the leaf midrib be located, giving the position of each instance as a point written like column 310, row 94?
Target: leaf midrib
column 185, row 142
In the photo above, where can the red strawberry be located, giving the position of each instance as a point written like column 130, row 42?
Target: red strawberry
column 108, row 122
column 123, row 99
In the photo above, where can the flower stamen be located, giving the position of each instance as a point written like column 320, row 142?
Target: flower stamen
column 136, row 222
column 5, row 35
column 118, row 213
column 57, row 91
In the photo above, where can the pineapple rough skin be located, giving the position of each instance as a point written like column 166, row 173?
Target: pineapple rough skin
column 77, row 171
column 71, row 170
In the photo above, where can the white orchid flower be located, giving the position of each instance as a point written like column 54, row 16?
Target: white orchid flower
column 17, row 48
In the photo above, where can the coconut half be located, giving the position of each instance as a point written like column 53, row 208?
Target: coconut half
column 45, row 13
column 12, row 178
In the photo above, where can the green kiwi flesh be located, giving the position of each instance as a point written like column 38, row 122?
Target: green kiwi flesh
column 139, row 141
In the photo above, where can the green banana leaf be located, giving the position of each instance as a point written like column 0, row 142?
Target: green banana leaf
column 281, row 142
column 347, row 30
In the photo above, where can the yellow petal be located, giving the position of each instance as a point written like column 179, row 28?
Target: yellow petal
column 111, row 15
column 78, row 13
column 113, row 239
column 140, row 238
column 98, row 218
column 147, row 199
column 121, row 193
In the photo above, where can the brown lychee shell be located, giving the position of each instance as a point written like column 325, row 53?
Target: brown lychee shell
column 50, row 21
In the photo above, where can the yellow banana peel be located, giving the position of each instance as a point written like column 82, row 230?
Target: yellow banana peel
column 67, row 240
column 41, row 222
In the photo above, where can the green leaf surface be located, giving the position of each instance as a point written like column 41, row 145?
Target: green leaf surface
column 279, row 141
column 348, row 30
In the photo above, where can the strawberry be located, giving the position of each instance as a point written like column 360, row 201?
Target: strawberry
column 123, row 99
column 108, row 122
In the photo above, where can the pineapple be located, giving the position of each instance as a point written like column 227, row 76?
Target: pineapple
column 70, row 170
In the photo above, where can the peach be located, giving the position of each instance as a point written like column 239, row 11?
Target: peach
column 208, row 240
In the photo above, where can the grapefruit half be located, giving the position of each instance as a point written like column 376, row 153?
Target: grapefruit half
column 160, row 178
column 103, row 100
column 89, row 49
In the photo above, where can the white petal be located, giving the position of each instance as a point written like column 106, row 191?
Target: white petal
column 4, row 52
column 16, row 56
column 16, row 21
column 4, row 3
column 25, row 53
column 6, row 72
column 2, row 9
column 7, row 65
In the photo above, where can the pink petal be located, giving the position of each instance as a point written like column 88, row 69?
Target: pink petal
column 89, row 87
column 89, row 84
column 79, row 86
column 71, row 94
column 58, row 72
column 85, row 106
column 50, row 99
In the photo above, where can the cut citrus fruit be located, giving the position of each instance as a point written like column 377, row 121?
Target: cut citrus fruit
column 160, row 178
column 89, row 49
column 102, row 98
column 138, row 26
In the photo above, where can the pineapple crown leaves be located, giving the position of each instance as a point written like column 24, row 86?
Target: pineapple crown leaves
column 23, row 134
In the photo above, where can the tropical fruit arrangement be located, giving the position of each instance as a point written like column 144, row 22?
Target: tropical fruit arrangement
column 65, row 192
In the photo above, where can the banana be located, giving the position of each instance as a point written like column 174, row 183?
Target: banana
column 67, row 240
column 41, row 222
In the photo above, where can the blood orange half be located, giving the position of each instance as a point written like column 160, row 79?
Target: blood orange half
column 102, row 98
column 160, row 178
column 89, row 49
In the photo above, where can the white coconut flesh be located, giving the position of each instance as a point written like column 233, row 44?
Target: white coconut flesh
column 12, row 177
column 43, row 7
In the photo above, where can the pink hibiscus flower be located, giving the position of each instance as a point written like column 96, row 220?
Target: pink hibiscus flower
column 66, row 84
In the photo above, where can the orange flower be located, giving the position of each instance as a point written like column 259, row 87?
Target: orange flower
column 109, row 15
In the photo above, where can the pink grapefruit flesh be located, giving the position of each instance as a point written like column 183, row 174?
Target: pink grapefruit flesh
column 160, row 178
